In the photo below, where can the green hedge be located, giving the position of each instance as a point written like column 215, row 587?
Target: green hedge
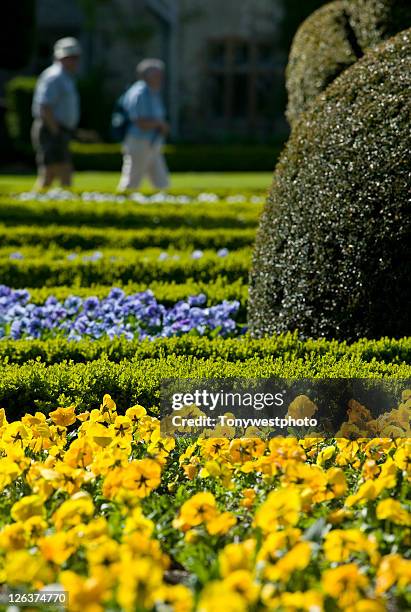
column 184, row 157
column 129, row 215
column 19, row 94
column 333, row 251
column 53, row 268
column 138, row 381
column 286, row 346
column 93, row 237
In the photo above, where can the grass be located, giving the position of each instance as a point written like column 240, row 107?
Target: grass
column 107, row 181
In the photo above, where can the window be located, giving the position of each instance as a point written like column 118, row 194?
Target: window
column 244, row 80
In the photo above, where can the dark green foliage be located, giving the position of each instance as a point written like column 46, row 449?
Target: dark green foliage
column 332, row 39
column 376, row 20
column 36, row 386
column 333, row 252
column 320, row 52
column 185, row 157
column 19, row 95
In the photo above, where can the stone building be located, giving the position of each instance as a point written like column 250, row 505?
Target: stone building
column 224, row 63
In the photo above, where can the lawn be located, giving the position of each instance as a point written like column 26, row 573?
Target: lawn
column 107, row 181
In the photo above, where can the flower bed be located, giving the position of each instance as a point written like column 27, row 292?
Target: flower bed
column 99, row 504
column 118, row 314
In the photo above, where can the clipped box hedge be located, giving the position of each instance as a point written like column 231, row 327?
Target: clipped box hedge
column 184, row 157
column 138, row 381
column 286, row 346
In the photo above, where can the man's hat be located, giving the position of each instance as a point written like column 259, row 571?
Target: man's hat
column 67, row 47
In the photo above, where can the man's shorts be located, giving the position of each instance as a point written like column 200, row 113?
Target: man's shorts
column 50, row 148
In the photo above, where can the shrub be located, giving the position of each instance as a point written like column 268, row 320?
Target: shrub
column 332, row 39
column 95, row 237
column 138, row 381
column 333, row 255
column 19, row 95
column 287, row 346
column 376, row 20
column 184, row 157
column 129, row 215
column 111, row 267
column 319, row 53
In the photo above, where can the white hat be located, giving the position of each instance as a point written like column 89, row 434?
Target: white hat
column 67, row 47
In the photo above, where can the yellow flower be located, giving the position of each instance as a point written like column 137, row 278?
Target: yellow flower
column 198, row 509
column 142, row 476
column 177, row 598
column 216, row 596
column 139, row 580
column 309, row 601
column 344, row 583
column 86, row 594
column 301, row 407
column 237, row 556
column 79, row 454
column 336, row 482
column 393, row 569
column 26, row 507
column 108, row 409
column 325, row 454
column 220, row 524
column 281, row 508
column 214, row 447
column 367, row 491
column 72, row 511
column 23, row 567
column 100, row 435
column 9, row 471
column 246, row 449
column 392, row 510
column 64, row 416
column 296, row 559
column 249, row 497
column 13, row 537
column 16, row 433
column 242, row 582
column 57, row 547
column 122, row 426
column 135, row 413
column 341, row 543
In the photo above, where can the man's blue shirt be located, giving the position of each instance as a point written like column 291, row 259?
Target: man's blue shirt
column 56, row 88
column 141, row 102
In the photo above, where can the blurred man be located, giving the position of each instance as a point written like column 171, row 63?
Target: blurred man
column 56, row 112
column 147, row 128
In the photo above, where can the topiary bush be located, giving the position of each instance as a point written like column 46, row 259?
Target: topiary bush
column 333, row 250
column 332, row 39
column 376, row 20
column 319, row 53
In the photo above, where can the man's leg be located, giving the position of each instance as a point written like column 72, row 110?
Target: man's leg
column 136, row 158
column 46, row 176
column 158, row 171
column 66, row 174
